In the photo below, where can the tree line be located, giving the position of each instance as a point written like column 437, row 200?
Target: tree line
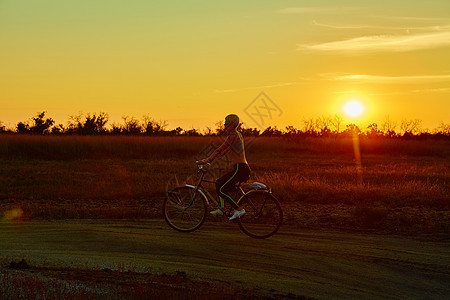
column 96, row 124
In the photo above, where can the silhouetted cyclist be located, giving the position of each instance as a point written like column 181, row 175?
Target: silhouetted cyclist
column 234, row 144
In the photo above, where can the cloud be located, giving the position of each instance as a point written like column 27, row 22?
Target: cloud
column 361, row 26
column 439, row 90
column 415, row 19
column 379, row 43
column 333, row 26
column 345, row 92
column 388, row 79
column 307, row 10
column 279, row 84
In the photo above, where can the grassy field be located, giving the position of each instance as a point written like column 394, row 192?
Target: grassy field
column 399, row 185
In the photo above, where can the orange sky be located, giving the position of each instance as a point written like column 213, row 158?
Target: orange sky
column 193, row 62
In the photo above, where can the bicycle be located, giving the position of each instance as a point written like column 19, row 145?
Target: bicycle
column 185, row 207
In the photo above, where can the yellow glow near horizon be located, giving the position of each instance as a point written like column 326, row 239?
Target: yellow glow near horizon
column 353, row 108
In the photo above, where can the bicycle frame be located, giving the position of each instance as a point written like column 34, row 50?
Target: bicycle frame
column 207, row 195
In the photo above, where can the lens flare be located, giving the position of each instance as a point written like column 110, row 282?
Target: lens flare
column 13, row 214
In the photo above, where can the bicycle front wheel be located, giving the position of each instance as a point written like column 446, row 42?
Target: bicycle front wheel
column 263, row 215
column 184, row 209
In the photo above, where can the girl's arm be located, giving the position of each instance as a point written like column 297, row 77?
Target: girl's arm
column 221, row 151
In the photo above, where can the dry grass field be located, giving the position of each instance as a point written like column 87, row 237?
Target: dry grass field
column 63, row 198
column 400, row 185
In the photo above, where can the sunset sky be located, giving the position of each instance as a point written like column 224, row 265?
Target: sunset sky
column 193, row 62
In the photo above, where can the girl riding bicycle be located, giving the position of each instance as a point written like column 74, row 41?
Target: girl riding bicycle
column 233, row 144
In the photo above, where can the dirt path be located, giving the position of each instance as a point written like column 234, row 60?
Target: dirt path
column 321, row 264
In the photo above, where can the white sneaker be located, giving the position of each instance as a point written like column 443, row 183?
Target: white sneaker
column 216, row 212
column 237, row 214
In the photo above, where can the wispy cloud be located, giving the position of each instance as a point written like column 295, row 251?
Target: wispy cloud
column 362, row 26
column 279, row 84
column 441, row 90
column 339, row 26
column 376, row 43
column 417, row 91
column 345, row 92
column 307, row 10
column 415, row 19
column 387, row 79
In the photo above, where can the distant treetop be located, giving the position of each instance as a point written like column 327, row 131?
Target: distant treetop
column 332, row 126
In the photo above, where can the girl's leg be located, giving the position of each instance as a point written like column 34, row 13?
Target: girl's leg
column 226, row 184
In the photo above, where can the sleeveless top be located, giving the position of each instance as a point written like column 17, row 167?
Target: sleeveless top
column 237, row 147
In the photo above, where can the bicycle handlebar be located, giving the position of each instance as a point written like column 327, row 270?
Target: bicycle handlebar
column 201, row 166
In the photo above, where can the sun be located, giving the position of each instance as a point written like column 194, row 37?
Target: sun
column 353, row 108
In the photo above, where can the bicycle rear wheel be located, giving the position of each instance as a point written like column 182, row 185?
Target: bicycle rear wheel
column 184, row 209
column 263, row 215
